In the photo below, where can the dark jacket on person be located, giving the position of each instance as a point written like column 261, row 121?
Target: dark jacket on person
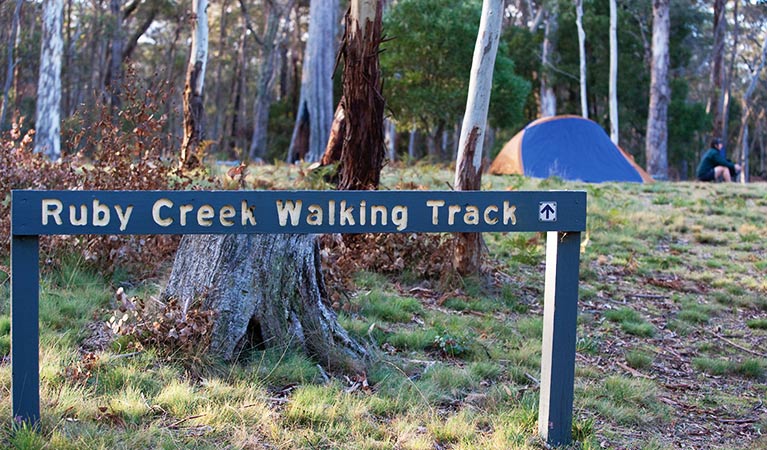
column 711, row 159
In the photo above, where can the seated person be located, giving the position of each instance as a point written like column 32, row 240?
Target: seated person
column 714, row 166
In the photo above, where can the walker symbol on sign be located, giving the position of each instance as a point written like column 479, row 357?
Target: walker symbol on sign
column 547, row 211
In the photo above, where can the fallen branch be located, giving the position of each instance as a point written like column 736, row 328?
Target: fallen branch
column 735, row 344
column 740, row 421
column 649, row 296
column 632, row 371
column 323, row 373
column 175, row 424
column 126, row 355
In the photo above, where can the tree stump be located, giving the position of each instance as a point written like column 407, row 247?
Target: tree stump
column 267, row 290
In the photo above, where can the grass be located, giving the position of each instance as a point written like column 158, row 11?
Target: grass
column 631, row 322
column 748, row 368
column 660, row 265
column 757, row 324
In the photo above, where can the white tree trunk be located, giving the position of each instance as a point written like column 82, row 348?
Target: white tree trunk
column 390, row 137
column 582, row 53
column 411, row 144
column 315, row 105
column 194, row 127
column 468, row 171
column 660, row 94
column 363, row 11
column 614, row 71
column 48, row 114
column 548, row 97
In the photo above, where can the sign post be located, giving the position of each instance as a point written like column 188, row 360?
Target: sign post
column 562, row 214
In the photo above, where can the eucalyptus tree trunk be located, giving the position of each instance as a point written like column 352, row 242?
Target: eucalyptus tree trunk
column 170, row 110
column 194, row 112
column 10, row 63
column 315, row 105
column 582, row 54
column 131, row 43
column 362, row 153
column 613, row 71
column 746, row 108
column 48, row 114
column 548, row 97
column 116, row 54
column 660, row 93
column 266, row 290
column 411, row 144
column 728, row 75
column 231, row 120
column 390, row 137
column 270, row 46
column 218, row 97
column 715, row 105
column 467, row 255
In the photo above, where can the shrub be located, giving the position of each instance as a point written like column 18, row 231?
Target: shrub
column 121, row 150
column 167, row 327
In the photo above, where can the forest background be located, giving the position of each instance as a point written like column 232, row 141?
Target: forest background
column 253, row 80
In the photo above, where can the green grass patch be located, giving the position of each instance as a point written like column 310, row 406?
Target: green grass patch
column 749, row 368
column 628, row 401
column 757, row 324
column 530, row 327
column 631, row 322
column 417, row 339
column 638, row 359
column 389, row 308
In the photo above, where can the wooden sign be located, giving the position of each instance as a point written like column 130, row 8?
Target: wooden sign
column 562, row 214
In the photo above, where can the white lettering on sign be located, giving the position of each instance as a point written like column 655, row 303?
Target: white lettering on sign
column 100, row 214
column 471, row 213
column 291, row 213
column 288, row 213
column 203, row 216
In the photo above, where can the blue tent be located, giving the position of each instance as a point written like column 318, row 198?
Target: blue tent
column 569, row 147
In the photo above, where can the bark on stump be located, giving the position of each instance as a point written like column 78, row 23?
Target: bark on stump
column 266, row 289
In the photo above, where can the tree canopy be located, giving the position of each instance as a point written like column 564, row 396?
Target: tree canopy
column 427, row 64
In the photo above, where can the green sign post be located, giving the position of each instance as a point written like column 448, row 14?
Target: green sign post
column 562, row 214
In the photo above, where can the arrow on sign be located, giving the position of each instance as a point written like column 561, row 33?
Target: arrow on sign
column 547, row 211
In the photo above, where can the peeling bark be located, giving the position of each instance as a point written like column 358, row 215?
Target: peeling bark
column 363, row 104
column 336, row 140
column 194, row 126
column 468, row 171
column 267, row 290
column 467, row 253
